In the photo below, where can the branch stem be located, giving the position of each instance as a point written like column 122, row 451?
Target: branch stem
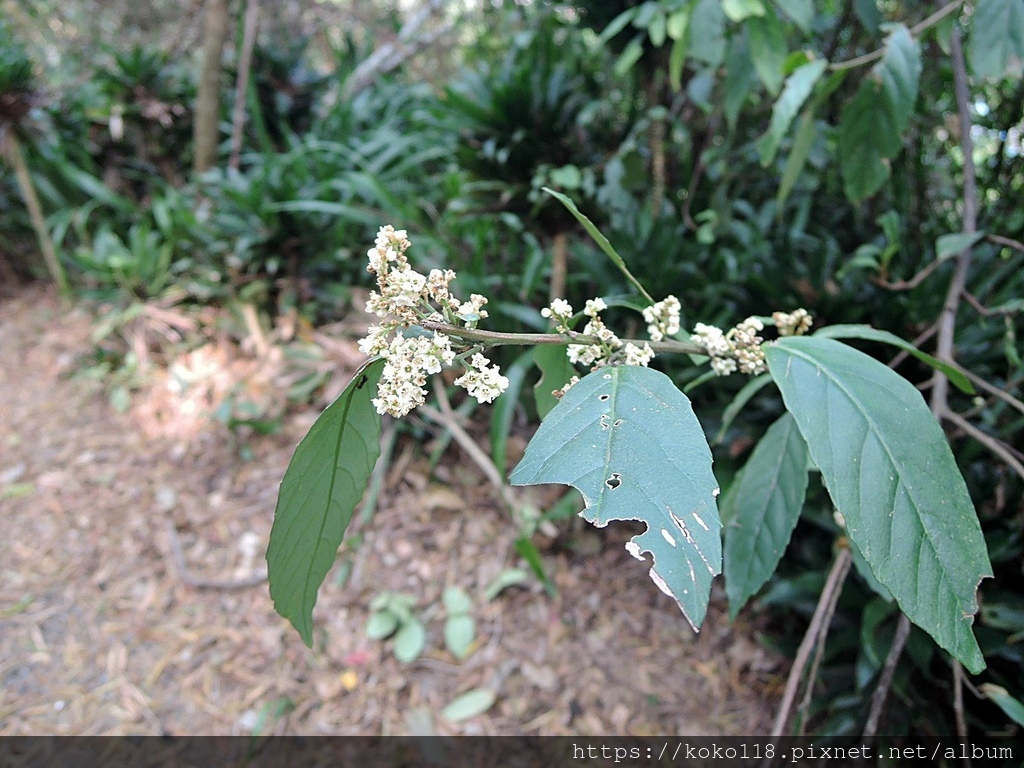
column 496, row 339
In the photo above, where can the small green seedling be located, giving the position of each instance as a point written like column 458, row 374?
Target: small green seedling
column 392, row 615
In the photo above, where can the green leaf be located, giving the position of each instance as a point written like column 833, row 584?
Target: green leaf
column 529, row 552
column 676, row 59
column 510, row 577
column 555, row 372
column 600, row 239
column 768, row 50
column 456, row 601
column 800, row 11
column 798, row 87
column 803, row 142
column 890, row 472
column 707, row 32
column 747, row 391
column 767, row 507
column 871, row 123
column 1011, row 706
column 866, row 332
column 868, row 14
column 630, row 55
column 381, row 624
column 997, row 36
column 629, row 441
column 948, row 246
column 618, row 24
column 459, row 633
column 321, row 487
column 410, row 641
column 468, row 705
column 738, row 10
column 739, row 78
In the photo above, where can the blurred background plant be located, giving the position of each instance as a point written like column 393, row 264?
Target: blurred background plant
column 652, row 116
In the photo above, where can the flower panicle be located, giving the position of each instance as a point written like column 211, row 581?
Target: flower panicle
column 404, row 298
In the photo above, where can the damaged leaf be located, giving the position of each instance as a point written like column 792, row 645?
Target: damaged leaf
column 629, row 441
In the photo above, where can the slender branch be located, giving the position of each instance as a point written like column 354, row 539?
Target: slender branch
column 958, row 708
column 11, row 149
column 812, row 673
column 922, row 337
column 496, row 338
column 446, row 418
column 1002, row 394
column 915, row 30
column 242, row 82
column 994, row 444
column 815, row 633
column 1007, row 241
column 908, row 285
column 947, row 320
column 881, row 692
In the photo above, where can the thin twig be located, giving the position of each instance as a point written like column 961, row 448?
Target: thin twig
column 1007, row 241
column 815, row 634
column 1002, row 394
column 881, row 691
column 242, row 82
column 994, row 444
column 915, row 30
column 446, row 418
column 920, row 339
column 908, row 285
column 958, row 709
column 812, row 673
column 180, row 567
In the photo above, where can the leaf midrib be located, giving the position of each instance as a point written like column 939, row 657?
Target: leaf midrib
column 795, row 352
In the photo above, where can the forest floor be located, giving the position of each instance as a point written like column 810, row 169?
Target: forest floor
column 132, row 599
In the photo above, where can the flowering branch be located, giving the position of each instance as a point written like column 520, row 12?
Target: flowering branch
column 497, row 339
column 407, row 300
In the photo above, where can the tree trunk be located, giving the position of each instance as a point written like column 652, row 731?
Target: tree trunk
column 206, row 131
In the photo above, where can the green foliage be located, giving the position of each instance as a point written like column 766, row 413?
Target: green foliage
column 898, row 489
column 637, row 452
column 874, row 120
column 768, row 499
column 391, row 615
column 317, row 499
column 459, row 626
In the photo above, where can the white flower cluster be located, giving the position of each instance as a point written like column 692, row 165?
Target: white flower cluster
column 795, row 323
column 409, row 360
column 404, row 298
column 663, row 318
column 610, row 350
column 482, row 380
column 738, row 349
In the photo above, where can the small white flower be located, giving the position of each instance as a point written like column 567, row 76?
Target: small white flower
column 663, row 318
column 638, row 355
column 723, row 366
column 482, row 380
column 593, row 307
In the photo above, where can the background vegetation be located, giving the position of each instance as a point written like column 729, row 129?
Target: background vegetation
column 745, row 155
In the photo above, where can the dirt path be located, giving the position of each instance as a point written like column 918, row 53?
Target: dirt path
column 101, row 634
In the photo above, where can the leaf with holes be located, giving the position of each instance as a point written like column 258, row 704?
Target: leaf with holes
column 768, row 503
column 321, row 487
column 891, row 473
column 629, row 441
